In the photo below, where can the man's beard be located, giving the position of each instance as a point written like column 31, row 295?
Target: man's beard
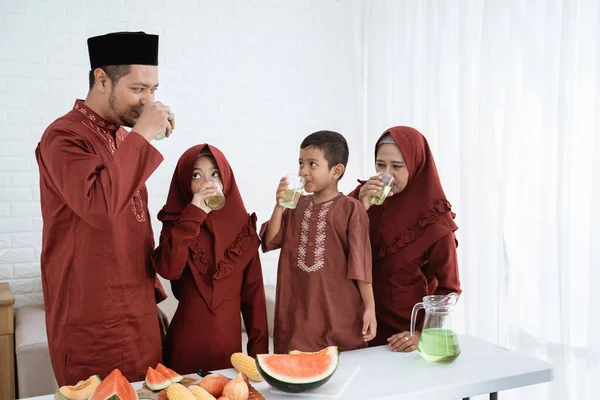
column 122, row 119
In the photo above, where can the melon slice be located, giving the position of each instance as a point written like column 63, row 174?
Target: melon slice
column 114, row 387
column 81, row 391
column 298, row 372
column 326, row 350
column 155, row 380
column 168, row 373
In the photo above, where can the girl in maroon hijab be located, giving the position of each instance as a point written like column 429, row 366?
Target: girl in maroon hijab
column 412, row 235
column 211, row 259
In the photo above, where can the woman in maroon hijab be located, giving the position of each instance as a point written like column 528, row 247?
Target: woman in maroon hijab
column 211, row 258
column 412, row 235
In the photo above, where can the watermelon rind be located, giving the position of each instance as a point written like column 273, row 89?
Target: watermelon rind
column 291, row 384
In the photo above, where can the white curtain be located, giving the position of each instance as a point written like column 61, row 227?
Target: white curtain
column 508, row 94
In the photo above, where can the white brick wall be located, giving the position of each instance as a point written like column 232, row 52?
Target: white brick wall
column 250, row 76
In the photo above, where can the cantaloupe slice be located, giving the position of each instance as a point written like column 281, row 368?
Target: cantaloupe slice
column 81, row 391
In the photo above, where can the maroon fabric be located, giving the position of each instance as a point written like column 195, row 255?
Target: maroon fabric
column 215, row 272
column 97, row 276
column 324, row 250
column 412, row 235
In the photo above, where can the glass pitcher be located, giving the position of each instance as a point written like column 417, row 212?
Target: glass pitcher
column 438, row 342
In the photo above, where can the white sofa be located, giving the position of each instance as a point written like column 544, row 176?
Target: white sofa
column 34, row 371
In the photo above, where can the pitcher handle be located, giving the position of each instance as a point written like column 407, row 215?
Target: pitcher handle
column 413, row 318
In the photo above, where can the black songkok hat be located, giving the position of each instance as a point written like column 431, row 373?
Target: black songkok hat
column 123, row 48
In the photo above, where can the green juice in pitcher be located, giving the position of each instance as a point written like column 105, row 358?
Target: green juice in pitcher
column 439, row 345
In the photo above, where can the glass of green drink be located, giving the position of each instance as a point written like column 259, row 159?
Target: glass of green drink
column 294, row 192
column 379, row 197
column 218, row 201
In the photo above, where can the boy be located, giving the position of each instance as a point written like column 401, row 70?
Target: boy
column 324, row 293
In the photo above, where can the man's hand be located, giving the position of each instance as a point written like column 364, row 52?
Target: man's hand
column 156, row 118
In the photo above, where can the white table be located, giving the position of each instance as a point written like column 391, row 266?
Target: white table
column 480, row 369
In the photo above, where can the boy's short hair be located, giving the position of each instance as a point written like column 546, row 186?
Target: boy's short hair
column 332, row 144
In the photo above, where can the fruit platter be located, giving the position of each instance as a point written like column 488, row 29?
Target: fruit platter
column 292, row 373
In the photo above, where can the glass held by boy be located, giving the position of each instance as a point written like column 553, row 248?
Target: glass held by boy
column 324, row 293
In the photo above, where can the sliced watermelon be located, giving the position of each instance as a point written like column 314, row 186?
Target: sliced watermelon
column 168, row 373
column 114, row 387
column 155, row 380
column 298, row 372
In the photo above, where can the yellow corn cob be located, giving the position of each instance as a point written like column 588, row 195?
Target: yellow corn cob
column 176, row 391
column 201, row 393
column 246, row 365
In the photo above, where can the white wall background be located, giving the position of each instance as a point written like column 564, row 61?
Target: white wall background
column 252, row 77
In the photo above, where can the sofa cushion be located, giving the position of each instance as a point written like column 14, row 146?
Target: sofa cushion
column 34, row 370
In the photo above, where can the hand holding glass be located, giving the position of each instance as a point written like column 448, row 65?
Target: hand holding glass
column 294, row 192
column 378, row 197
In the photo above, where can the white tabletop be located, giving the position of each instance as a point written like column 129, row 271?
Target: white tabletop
column 481, row 368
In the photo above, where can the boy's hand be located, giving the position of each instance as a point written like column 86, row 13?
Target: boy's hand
column 283, row 186
column 207, row 189
column 369, row 329
column 404, row 342
column 372, row 186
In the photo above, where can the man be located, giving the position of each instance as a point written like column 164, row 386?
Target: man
column 97, row 278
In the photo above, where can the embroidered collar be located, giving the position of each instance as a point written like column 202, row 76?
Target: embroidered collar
column 323, row 203
column 93, row 117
